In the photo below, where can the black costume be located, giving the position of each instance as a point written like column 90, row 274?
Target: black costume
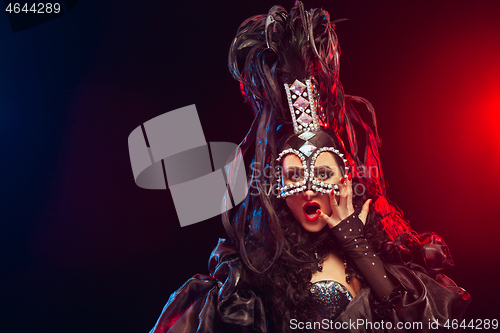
column 223, row 302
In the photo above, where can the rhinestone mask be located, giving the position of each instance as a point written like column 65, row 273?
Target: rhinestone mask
column 305, row 147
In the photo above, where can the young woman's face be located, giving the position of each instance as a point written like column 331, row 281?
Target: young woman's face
column 305, row 204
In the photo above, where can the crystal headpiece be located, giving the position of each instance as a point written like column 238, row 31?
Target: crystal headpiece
column 303, row 106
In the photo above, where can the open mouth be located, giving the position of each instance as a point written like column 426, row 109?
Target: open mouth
column 310, row 210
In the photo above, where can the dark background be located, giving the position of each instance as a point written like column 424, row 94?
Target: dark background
column 83, row 249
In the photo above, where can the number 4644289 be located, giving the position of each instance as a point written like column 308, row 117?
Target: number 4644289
column 35, row 8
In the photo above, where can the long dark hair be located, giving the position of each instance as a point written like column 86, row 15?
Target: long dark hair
column 268, row 51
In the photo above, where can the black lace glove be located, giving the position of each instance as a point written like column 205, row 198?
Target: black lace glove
column 349, row 234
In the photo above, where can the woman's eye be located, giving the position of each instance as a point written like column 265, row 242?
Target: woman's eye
column 294, row 176
column 324, row 174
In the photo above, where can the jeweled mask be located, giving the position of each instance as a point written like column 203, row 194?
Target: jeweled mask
column 307, row 146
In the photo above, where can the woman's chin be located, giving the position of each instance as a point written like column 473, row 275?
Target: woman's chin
column 312, row 225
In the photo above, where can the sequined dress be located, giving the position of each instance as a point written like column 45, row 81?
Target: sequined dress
column 331, row 297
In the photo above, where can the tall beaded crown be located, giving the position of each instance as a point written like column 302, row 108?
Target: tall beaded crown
column 303, row 106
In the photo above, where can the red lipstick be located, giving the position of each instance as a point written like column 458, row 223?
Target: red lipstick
column 310, row 209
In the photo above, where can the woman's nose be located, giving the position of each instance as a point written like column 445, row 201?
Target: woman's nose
column 309, row 194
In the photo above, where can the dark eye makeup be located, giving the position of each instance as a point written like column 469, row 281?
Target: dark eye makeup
column 323, row 173
column 294, row 174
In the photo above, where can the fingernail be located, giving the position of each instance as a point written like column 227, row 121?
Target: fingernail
column 342, row 180
column 349, row 177
column 318, row 211
column 332, row 193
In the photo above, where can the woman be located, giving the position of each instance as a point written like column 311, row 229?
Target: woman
column 315, row 245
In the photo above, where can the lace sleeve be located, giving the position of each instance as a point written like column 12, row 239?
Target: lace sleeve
column 349, row 234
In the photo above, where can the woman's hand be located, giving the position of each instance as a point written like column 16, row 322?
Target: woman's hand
column 343, row 208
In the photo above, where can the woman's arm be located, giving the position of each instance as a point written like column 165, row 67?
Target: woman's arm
column 347, row 228
column 349, row 234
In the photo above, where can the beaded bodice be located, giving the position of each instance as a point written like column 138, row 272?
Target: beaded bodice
column 332, row 298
